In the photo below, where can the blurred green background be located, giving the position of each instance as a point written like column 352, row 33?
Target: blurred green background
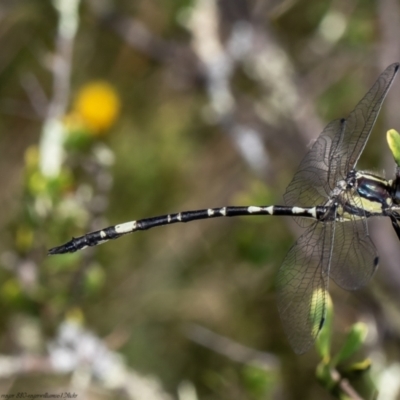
column 215, row 103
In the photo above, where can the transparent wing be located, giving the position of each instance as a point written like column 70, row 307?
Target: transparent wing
column 316, row 175
column 302, row 285
column 337, row 149
column 362, row 119
column 354, row 257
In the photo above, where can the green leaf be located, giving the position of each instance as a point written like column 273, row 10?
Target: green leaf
column 393, row 139
column 324, row 375
column 355, row 370
column 355, row 338
column 323, row 342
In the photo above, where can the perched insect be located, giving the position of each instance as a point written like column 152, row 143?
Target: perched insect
column 331, row 200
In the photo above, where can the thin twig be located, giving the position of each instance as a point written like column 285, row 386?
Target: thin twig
column 51, row 150
column 345, row 386
column 229, row 348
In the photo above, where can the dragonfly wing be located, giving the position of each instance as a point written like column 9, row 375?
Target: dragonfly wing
column 362, row 119
column 354, row 257
column 337, row 149
column 315, row 177
column 302, row 286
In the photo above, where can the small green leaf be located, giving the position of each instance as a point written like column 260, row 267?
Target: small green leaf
column 393, row 139
column 355, row 338
column 324, row 375
column 323, row 343
column 357, row 369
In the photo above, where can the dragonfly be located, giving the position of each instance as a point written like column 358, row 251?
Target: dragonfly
column 331, row 200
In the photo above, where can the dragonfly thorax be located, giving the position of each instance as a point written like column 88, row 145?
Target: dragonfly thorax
column 375, row 192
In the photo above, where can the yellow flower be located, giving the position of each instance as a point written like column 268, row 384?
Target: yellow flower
column 98, row 105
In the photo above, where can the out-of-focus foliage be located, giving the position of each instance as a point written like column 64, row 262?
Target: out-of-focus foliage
column 332, row 372
column 198, row 103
